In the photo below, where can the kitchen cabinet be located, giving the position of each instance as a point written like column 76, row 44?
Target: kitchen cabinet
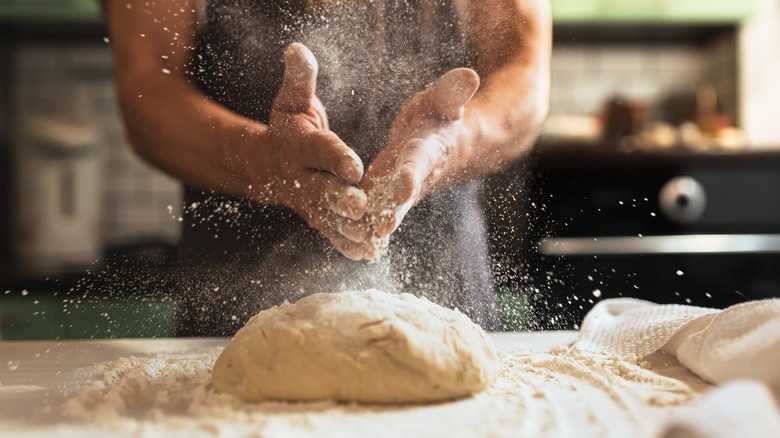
column 651, row 11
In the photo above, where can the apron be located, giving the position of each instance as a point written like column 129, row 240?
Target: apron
column 238, row 257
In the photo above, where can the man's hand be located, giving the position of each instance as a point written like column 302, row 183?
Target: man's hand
column 422, row 141
column 310, row 170
column 173, row 125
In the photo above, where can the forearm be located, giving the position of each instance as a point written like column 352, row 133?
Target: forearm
column 173, row 126
column 504, row 117
column 169, row 121
column 502, row 121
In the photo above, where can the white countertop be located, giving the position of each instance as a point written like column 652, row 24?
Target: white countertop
column 37, row 377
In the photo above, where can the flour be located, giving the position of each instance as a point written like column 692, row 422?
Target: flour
column 382, row 207
column 558, row 392
column 140, row 387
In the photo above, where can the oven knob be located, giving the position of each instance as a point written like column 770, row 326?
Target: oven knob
column 682, row 199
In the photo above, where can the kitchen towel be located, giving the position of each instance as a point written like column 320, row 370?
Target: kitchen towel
column 741, row 341
column 741, row 408
column 721, row 346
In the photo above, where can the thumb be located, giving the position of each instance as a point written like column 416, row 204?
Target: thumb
column 299, row 83
column 453, row 91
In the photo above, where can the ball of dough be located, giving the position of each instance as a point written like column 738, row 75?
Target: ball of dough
column 366, row 346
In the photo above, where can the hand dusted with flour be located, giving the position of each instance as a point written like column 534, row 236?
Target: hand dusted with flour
column 420, row 147
column 213, row 93
column 367, row 346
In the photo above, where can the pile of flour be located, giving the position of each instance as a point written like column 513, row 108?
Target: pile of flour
column 558, row 392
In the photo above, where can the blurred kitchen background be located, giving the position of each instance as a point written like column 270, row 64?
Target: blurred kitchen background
column 657, row 175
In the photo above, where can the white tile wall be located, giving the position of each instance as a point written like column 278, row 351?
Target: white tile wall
column 586, row 75
column 46, row 78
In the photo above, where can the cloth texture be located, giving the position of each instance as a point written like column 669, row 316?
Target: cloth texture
column 741, row 341
column 741, row 408
column 737, row 348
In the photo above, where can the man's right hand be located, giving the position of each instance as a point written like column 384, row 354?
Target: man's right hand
column 308, row 168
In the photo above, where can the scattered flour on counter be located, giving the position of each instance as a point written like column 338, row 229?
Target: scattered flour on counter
column 140, row 388
column 19, row 389
column 558, row 393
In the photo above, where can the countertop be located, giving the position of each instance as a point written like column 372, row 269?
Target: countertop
column 530, row 397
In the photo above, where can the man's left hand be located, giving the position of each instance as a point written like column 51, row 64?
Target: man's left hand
column 421, row 145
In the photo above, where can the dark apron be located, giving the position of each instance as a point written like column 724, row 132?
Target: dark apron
column 238, row 257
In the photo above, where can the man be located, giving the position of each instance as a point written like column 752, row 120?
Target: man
column 286, row 158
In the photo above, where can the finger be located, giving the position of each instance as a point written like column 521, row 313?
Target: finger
column 414, row 168
column 346, row 201
column 386, row 222
column 453, row 91
column 337, row 196
column 324, row 150
column 322, row 219
column 354, row 231
column 319, row 110
column 299, row 83
column 386, row 217
column 376, row 248
column 416, row 165
column 419, row 161
column 331, row 225
column 351, row 250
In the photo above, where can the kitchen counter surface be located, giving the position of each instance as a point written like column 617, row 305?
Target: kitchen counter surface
column 36, row 379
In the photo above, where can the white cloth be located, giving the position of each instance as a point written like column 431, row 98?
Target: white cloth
column 741, row 408
column 742, row 341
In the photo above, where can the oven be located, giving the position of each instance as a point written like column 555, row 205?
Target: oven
column 669, row 227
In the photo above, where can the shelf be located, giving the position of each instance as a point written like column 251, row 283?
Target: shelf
column 644, row 33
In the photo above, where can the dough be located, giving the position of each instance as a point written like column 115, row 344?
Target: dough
column 366, row 346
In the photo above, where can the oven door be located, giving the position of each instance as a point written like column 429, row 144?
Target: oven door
column 674, row 228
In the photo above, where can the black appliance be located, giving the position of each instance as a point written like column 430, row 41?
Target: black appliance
column 676, row 226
